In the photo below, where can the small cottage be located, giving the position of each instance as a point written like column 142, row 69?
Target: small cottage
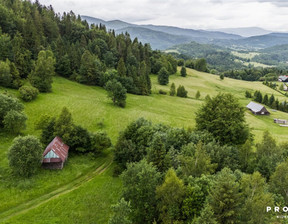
column 55, row 154
column 283, row 78
column 257, row 109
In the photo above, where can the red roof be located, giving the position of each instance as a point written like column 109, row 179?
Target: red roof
column 59, row 148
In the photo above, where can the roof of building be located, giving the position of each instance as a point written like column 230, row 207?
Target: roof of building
column 55, row 151
column 256, row 107
column 283, row 77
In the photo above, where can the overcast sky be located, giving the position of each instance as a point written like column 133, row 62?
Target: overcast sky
column 199, row 14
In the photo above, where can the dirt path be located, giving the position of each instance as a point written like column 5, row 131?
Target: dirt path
column 73, row 185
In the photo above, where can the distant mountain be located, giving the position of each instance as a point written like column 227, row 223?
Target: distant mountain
column 162, row 37
column 245, row 31
column 255, row 42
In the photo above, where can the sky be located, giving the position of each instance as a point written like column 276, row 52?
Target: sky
column 195, row 14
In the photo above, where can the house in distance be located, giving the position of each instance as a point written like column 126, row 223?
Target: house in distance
column 257, row 108
column 283, row 78
column 55, row 154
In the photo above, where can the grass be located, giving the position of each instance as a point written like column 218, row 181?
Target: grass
column 25, row 201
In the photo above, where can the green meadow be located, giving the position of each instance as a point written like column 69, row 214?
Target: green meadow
column 85, row 189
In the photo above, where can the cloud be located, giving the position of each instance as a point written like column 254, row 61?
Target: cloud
column 202, row 14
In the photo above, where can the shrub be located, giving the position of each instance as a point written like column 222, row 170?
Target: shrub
column 162, row 92
column 28, row 93
column 14, row 121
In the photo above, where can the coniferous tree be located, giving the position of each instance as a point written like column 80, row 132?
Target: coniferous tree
column 225, row 198
column 172, row 89
column 265, row 100
column 183, row 71
column 181, row 92
column 163, row 76
column 170, row 195
column 271, row 100
column 121, row 68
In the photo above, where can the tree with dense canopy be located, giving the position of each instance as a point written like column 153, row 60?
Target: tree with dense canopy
column 41, row 77
column 116, row 92
column 25, row 155
column 163, row 76
column 224, row 118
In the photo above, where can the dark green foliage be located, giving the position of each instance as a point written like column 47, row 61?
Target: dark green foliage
column 248, row 94
column 14, row 121
column 47, row 125
column 224, row 197
column 91, row 69
column 139, row 187
column 163, row 76
column 132, row 143
column 25, row 155
column 9, row 75
column 267, row 155
column 279, row 180
column 224, row 118
column 116, row 92
column 255, row 192
column 162, row 92
column 157, row 152
column 265, row 100
column 195, row 196
column 183, row 71
column 63, row 66
column 121, row 213
column 258, row 96
column 198, row 163
column 41, row 76
column 201, row 65
column 206, row 216
column 170, row 195
column 271, row 100
column 28, row 93
column 98, row 142
column 8, row 104
column 221, row 76
column 172, row 89
column 121, row 68
column 64, row 125
column 181, row 92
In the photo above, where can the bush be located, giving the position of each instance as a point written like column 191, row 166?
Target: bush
column 28, row 93
column 162, row 92
column 25, row 155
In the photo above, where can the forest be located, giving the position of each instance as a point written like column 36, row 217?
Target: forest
column 72, row 49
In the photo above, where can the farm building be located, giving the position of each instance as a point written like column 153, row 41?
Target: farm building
column 280, row 121
column 283, row 78
column 55, row 154
column 257, row 109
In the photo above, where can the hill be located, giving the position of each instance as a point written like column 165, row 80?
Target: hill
column 245, row 31
column 86, row 183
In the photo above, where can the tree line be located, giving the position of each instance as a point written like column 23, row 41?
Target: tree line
column 213, row 174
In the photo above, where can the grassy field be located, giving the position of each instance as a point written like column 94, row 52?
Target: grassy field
column 85, row 189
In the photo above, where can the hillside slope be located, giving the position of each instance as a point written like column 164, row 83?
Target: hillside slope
column 89, row 105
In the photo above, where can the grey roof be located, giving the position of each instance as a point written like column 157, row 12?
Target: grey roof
column 254, row 106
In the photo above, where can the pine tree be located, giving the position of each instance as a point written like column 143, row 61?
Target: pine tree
column 183, row 71
column 170, row 195
column 224, row 197
column 172, row 89
column 163, row 76
column 121, row 68
column 271, row 100
column 181, row 92
column 265, row 100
